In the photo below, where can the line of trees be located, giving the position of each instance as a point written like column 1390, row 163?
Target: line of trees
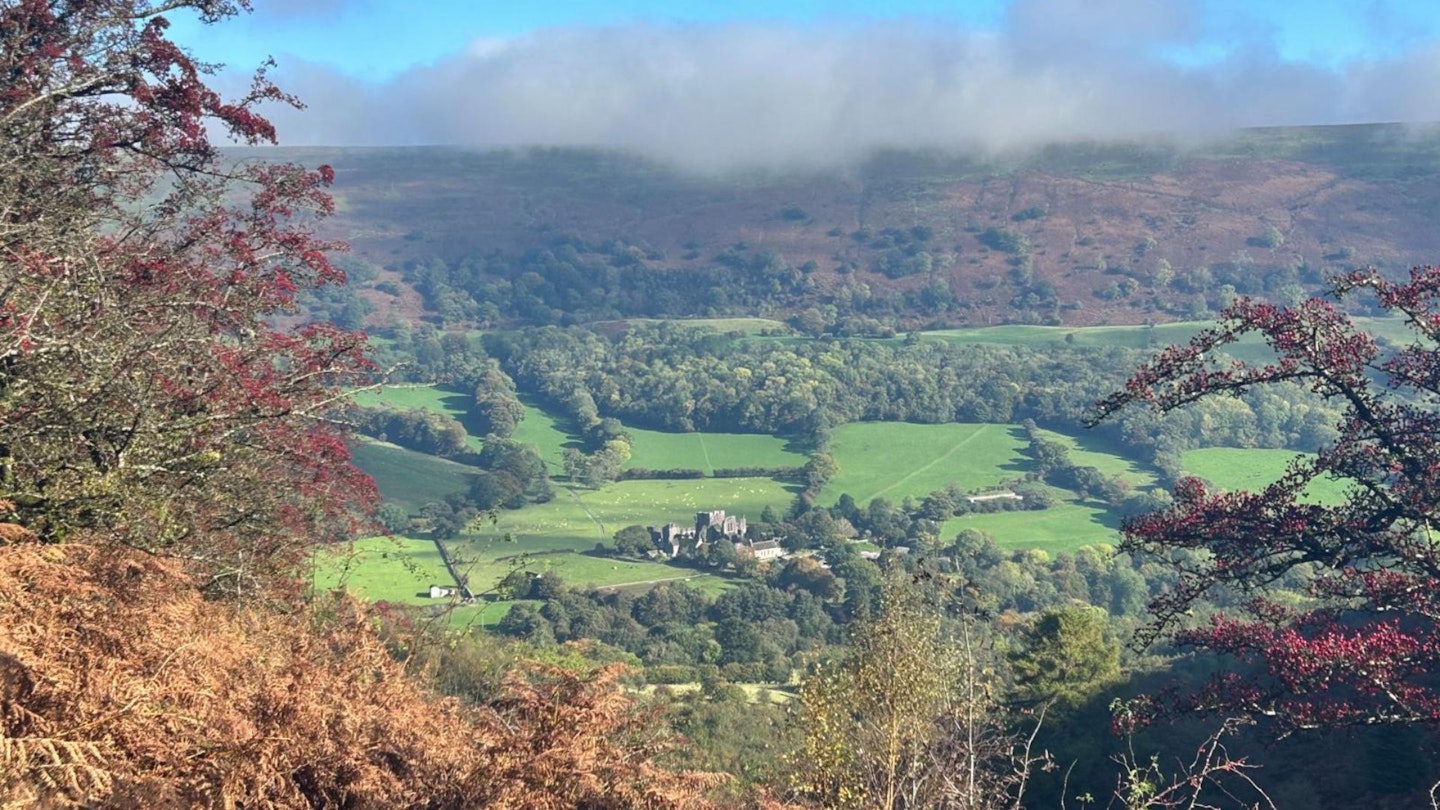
column 672, row 377
column 419, row 429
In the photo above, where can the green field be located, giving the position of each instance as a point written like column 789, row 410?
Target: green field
column 430, row 397
column 408, row 478
column 1065, row 526
column 402, row 569
column 391, row 569
column 661, row 450
column 753, row 691
column 657, row 450
column 652, row 449
column 894, row 459
column 1250, row 348
column 1130, row 337
column 579, row 520
column 552, row 536
column 1391, row 329
column 711, row 586
column 484, row 570
column 539, row 428
column 1088, row 450
column 427, row 397
column 546, row 432
column 1252, row 470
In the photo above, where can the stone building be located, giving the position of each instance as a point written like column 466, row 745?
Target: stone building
column 710, row 527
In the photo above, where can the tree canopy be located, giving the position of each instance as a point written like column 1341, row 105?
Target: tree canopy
column 146, row 388
column 1363, row 649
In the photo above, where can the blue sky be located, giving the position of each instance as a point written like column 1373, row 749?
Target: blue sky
column 376, row 39
column 746, row 81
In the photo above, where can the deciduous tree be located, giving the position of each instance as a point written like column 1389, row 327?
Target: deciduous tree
column 146, row 391
column 908, row 719
column 1365, row 647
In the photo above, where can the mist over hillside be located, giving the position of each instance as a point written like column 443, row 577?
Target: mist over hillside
column 1076, row 233
column 716, row 96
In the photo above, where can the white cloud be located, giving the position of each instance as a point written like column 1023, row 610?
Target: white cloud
column 724, row 95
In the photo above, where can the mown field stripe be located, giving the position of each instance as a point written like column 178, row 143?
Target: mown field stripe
column 709, row 466
column 937, row 460
column 600, row 526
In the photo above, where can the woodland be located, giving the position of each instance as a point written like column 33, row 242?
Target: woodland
column 186, row 352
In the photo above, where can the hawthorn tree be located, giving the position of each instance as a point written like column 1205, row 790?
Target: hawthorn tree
column 1364, row 647
column 148, row 395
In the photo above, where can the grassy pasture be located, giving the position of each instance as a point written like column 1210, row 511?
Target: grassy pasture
column 1087, row 450
column 1249, row 348
column 753, row 691
column 429, row 397
column 1252, row 470
column 426, row 397
column 552, row 536
column 408, row 478
column 1391, row 329
column 657, row 450
column 894, row 459
column 578, row 521
column 547, row 432
column 585, row 570
column 661, row 450
column 1130, row 337
column 391, row 569
column 1066, row 526
column 402, row 569
column 710, row 585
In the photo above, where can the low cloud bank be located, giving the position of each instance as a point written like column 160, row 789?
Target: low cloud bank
column 720, row 96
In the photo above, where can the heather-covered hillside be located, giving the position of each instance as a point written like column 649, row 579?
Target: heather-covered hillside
column 1077, row 233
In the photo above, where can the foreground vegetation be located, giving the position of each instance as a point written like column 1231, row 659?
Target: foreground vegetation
column 945, row 607
column 172, row 459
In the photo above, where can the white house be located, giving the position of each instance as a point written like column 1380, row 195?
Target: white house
column 765, row 549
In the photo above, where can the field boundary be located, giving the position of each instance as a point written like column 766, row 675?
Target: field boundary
column 460, row 583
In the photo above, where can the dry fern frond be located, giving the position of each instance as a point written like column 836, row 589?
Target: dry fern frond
column 57, row 770
column 121, row 687
column 15, row 533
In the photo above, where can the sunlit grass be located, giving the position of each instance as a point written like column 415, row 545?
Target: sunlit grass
column 1251, row 470
column 895, row 459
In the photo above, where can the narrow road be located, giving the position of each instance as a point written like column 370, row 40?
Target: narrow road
column 653, row 581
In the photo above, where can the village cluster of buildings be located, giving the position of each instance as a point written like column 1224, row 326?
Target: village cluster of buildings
column 712, row 527
column 674, row 540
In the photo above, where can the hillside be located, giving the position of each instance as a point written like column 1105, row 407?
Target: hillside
column 1077, row 234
